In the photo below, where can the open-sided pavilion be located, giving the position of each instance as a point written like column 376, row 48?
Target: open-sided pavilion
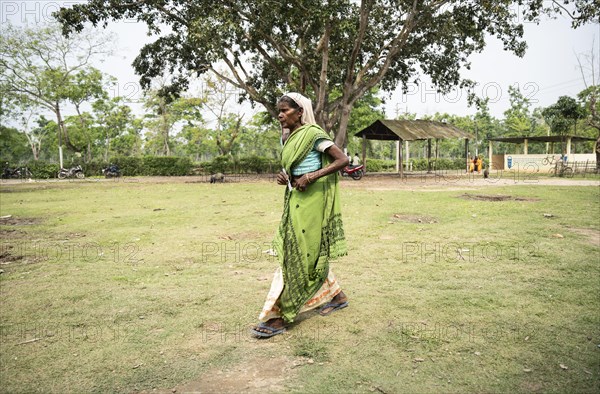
column 498, row 161
column 411, row 130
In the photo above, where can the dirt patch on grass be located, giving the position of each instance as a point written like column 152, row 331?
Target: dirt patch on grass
column 497, row 197
column 532, row 387
column 592, row 235
column 6, row 257
column 258, row 375
column 11, row 233
column 15, row 221
column 17, row 186
column 403, row 217
column 241, row 236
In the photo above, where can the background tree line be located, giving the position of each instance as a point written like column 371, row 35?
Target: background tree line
column 45, row 76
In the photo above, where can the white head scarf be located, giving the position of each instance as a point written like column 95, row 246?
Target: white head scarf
column 308, row 117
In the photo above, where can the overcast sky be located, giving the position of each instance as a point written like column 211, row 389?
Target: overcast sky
column 547, row 71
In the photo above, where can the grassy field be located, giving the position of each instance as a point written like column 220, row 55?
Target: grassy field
column 142, row 286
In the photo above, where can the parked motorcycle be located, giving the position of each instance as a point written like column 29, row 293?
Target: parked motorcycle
column 112, row 171
column 356, row 172
column 73, row 172
column 16, row 173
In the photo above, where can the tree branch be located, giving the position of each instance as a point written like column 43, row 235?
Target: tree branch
column 240, row 84
column 556, row 3
column 394, row 49
column 284, row 76
column 365, row 9
column 286, row 54
column 323, row 47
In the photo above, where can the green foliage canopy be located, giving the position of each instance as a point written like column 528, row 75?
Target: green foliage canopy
column 41, row 69
column 335, row 51
column 563, row 115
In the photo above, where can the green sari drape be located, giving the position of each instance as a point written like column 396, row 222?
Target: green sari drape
column 311, row 230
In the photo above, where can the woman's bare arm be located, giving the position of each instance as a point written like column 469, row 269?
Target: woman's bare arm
column 340, row 160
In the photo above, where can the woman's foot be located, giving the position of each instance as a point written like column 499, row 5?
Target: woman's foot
column 338, row 302
column 269, row 328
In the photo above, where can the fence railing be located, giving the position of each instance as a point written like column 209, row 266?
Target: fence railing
column 584, row 167
column 574, row 167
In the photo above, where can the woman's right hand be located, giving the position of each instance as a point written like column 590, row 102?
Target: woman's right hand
column 282, row 179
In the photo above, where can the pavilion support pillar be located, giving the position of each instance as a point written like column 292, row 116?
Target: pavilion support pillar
column 400, row 159
column 467, row 155
column 398, row 153
column 437, row 148
column 428, row 155
column 364, row 152
column 490, row 154
column 525, row 146
column 407, row 156
column 568, row 146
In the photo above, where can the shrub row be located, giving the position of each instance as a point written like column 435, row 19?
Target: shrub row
column 178, row 166
column 43, row 170
column 242, row 165
column 377, row 165
column 145, row 165
column 160, row 166
column 129, row 166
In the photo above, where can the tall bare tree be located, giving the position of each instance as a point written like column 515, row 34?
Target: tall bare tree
column 590, row 96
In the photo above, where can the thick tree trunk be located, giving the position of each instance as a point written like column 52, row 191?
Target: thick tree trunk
column 221, row 148
column 62, row 129
column 165, row 132
column 107, row 147
column 167, row 150
column 35, row 150
column 88, row 153
column 341, row 135
column 598, row 154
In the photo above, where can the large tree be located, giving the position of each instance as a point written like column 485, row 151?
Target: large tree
column 115, row 127
column 41, row 69
column 590, row 96
column 562, row 117
column 166, row 112
column 13, row 146
column 334, row 51
column 517, row 118
column 226, row 124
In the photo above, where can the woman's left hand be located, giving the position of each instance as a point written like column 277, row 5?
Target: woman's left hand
column 302, row 183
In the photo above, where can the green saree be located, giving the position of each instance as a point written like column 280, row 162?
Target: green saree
column 311, row 231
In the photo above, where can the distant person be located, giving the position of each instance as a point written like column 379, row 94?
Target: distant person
column 356, row 160
column 479, row 163
column 472, row 164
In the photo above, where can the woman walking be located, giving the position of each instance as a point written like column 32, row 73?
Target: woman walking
column 310, row 233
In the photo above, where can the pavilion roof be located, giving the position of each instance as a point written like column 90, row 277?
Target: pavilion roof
column 542, row 138
column 411, row 130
